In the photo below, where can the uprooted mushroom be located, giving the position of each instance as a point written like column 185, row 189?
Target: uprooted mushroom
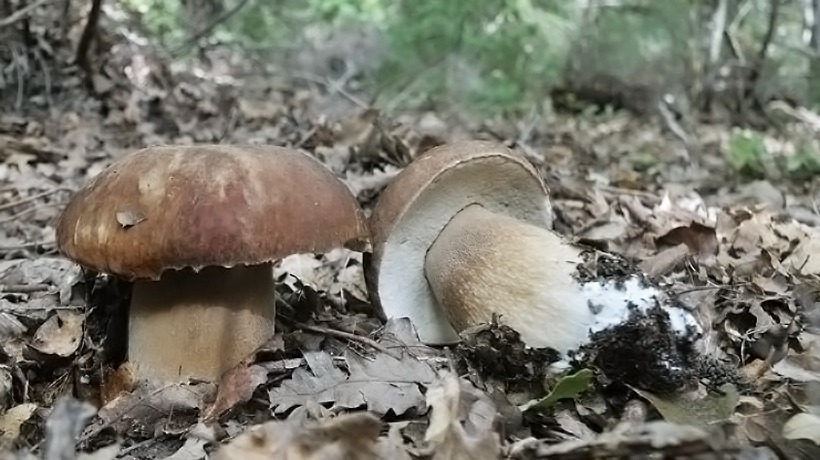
column 463, row 233
column 197, row 229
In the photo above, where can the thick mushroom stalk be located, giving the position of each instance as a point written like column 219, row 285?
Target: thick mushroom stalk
column 484, row 263
column 200, row 324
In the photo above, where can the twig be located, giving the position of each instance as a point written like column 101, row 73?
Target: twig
column 210, row 27
column 88, row 35
column 710, row 287
column 410, row 84
column 138, row 445
column 21, row 13
column 24, row 288
column 32, row 244
column 333, row 87
column 46, row 75
column 774, row 12
column 672, row 124
column 347, row 336
column 718, row 29
column 90, row 432
column 24, row 212
column 628, row 191
column 29, row 199
column 18, row 63
column 30, row 308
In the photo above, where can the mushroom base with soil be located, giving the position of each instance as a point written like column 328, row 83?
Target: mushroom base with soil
column 200, row 324
column 484, row 263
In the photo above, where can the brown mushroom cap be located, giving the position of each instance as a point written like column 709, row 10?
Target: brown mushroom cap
column 174, row 207
column 418, row 204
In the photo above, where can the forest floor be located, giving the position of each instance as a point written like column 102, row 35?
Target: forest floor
column 743, row 254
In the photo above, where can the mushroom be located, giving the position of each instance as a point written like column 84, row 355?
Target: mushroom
column 463, row 233
column 197, row 229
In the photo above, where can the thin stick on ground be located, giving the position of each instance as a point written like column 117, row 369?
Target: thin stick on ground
column 24, row 288
column 24, row 212
column 29, row 199
column 21, row 13
column 347, row 336
column 29, row 245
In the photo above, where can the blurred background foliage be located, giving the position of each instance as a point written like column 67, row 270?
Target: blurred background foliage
column 496, row 56
column 749, row 65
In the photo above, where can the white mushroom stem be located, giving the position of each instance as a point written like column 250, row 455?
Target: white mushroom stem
column 200, row 324
column 484, row 263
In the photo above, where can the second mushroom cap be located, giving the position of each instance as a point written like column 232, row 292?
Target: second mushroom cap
column 414, row 209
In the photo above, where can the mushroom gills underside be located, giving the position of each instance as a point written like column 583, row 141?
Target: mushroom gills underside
column 484, row 263
column 199, row 324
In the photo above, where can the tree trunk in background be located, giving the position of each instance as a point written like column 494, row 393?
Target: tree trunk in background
column 814, row 64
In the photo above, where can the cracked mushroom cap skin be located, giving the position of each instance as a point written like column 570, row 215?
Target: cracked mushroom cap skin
column 175, row 207
column 420, row 201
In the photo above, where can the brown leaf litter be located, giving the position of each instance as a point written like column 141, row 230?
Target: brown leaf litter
column 743, row 255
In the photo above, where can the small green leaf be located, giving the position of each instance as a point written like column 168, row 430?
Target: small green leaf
column 746, row 152
column 568, row 387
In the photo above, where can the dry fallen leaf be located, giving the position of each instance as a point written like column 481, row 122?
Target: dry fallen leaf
column 11, row 421
column 346, row 437
column 692, row 409
column 655, row 437
column 117, row 381
column 129, row 218
column 803, row 426
column 236, row 387
column 65, row 423
column 103, row 453
column 61, row 334
column 148, row 404
column 462, row 421
column 192, row 449
column 381, row 383
column 5, row 385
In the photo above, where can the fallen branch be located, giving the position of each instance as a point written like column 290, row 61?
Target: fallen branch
column 22, row 13
column 347, row 336
column 24, row 288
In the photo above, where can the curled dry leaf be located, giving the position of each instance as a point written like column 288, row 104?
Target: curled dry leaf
column 192, row 449
column 653, row 437
column 117, row 381
column 803, row 426
column 129, row 218
column 236, row 387
column 805, row 260
column 331, row 272
column 5, row 385
column 61, row 334
column 12, row 420
column 64, row 425
column 103, row 453
column 692, row 409
column 462, row 421
column 347, row 437
column 147, row 405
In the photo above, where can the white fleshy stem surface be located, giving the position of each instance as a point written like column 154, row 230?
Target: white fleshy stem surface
column 484, row 263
